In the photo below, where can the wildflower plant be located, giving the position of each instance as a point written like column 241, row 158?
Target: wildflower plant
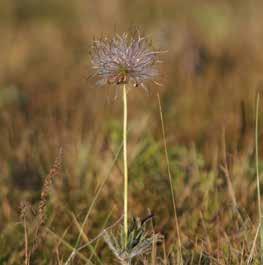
column 126, row 60
column 139, row 241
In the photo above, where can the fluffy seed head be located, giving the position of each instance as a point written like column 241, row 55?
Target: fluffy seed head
column 124, row 59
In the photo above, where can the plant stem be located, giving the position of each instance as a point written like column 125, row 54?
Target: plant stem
column 258, row 177
column 27, row 257
column 180, row 257
column 125, row 163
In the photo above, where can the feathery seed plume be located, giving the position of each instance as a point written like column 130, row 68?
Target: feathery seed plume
column 124, row 59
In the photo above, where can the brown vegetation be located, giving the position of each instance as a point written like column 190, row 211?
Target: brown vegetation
column 209, row 78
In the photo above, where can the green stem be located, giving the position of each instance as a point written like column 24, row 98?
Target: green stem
column 125, row 163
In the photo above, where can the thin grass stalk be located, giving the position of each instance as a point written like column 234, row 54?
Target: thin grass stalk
column 27, row 255
column 258, row 177
column 99, row 190
column 226, row 171
column 125, row 165
column 170, row 181
column 70, row 247
column 250, row 257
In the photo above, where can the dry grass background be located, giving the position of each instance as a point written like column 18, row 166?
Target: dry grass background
column 210, row 76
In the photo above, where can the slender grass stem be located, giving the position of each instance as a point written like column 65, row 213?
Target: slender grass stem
column 27, row 257
column 125, row 163
column 180, row 259
column 256, row 154
column 258, row 177
column 98, row 192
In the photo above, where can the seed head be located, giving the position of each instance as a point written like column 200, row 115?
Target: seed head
column 124, row 59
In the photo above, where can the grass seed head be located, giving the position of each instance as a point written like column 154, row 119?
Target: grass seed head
column 54, row 171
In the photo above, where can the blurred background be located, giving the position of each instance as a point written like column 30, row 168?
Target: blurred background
column 209, row 76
